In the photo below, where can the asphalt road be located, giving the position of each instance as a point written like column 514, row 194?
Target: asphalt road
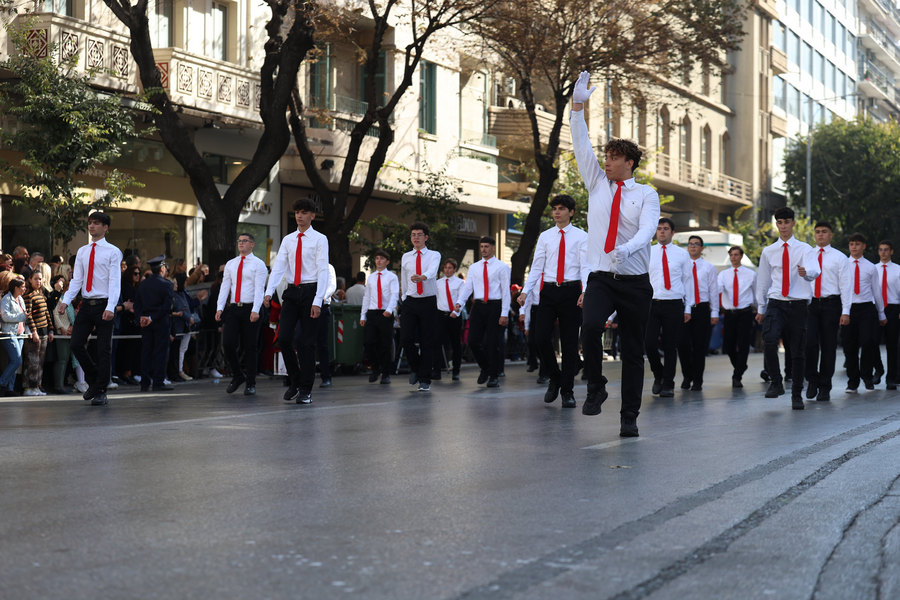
column 378, row 492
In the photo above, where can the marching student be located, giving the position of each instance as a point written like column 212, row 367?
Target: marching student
column 449, row 322
column 786, row 269
column 237, row 308
column 377, row 316
column 863, row 309
column 889, row 289
column 823, row 322
column 560, row 265
column 302, row 259
column 704, row 301
column 622, row 217
column 97, row 276
column 488, row 284
column 670, row 276
column 736, row 286
column 418, row 311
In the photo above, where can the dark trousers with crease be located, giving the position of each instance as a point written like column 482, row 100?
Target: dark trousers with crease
column 859, row 339
column 694, row 343
column 785, row 319
column 559, row 304
column 417, row 322
column 449, row 335
column 822, row 327
column 664, row 330
column 297, row 335
column 891, row 341
column 238, row 333
column 737, row 333
column 89, row 319
column 484, row 335
column 379, row 341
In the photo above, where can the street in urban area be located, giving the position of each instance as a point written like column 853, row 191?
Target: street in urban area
column 376, row 491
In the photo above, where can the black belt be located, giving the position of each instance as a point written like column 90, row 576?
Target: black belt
column 700, row 304
column 95, row 301
column 241, row 304
column 302, row 285
column 789, row 301
column 618, row 276
column 669, row 301
column 573, row 283
column 827, row 298
column 735, row 311
column 446, row 313
column 486, row 301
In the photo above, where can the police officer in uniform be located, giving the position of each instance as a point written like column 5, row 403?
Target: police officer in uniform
column 153, row 305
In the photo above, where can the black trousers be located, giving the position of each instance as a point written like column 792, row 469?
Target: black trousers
column 822, row 326
column 559, row 303
column 297, row 335
column 785, row 319
column 859, row 340
column 694, row 343
column 891, row 340
column 154, row 351
column 418, row 318
column 665, row 323
column 533, row 354
column 88, row 320
column 631, row 297
column 737, row 334
column 238, row 333
column 323, row 356
column 450, row 336
column 484, row 335
column 378, row 339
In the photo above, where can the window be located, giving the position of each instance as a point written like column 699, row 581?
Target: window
column 162, row 24
column 62, row 7
column 662, row 130
column 380, row 78
column 819, row 17
column 805, row 107
column 793, row 49
column 806, row 58
column 684, row 140
column 225, row 169
column 706, row 148
column 832, row 30
column 320, row 79
column 725, row 154
column 219, row 31
column 780, row 40
column 705, row 79
column 793, row 101
column 428, row 97
column 779, row 90
column 829, row 78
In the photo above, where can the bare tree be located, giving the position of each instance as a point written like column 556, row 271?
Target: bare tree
column 635, row 43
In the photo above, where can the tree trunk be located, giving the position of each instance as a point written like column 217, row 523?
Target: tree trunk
column 521, row 258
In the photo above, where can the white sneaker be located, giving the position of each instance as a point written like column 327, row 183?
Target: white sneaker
column 81, row 386
column 41, row 392
column 184, row 376
column 137, row 378
column 31, row 392
column 214, row 373
column 166, row 381
column 112, row 385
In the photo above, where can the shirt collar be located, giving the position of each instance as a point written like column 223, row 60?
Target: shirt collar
column 790, row 242
column 567, row 228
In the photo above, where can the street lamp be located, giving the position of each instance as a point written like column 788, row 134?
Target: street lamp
column 809, row 141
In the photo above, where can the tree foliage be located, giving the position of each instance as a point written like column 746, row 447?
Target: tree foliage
column 63, row 129
column 855, row 177
column 632, row 43
column 432, row 199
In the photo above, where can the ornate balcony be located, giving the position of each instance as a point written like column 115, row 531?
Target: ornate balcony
column 512, row 131
column 692, row 178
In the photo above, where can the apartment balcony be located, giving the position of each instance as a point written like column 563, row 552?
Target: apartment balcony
column 768, row 7
column 778, row 125
column 213, row 86
column 875, row 82
column 339, row 114
column 879, row 42
column 688, row 178
column 886, row 10
column 512, row 130
column 96, row 48
column 778, row 60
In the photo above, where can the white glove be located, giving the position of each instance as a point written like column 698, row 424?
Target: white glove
column 620, row 254
column 580, row 93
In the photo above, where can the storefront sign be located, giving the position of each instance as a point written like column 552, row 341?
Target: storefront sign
column 257, row 206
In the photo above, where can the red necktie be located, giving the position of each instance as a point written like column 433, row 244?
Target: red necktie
column 237, row 291
column 561, row 260
column 785, row 272
column 856, row 279
column 90, row 277
column 486, row 297
column 298, row 260
column 736, row 288
column 884, row 284
column 613, row 230
column 696, row 286
column 666, row 280
column 819, row 278
column 379, row 292
column 419, row 287
column 449, row 297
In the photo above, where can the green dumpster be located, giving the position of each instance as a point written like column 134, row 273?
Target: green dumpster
column 346, row 336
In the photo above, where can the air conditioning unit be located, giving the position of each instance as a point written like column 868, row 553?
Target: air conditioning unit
column 510, row 86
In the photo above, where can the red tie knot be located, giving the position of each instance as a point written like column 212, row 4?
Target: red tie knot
column 785, row 244
column 620, row 183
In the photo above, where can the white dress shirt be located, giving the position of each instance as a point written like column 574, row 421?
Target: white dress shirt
column 545, row 262
column 355, row 293
column 681, row 279
column 253, row 282
column 833, row 263
column 638, row 211
column 332, row 285
column 531, row 300
column 893, row 281
column 708, row 284
column 106, row 281
column 869, row 286
column 498, row 283
column 770, row 273
column 390, row 293
column 746, row 287
column 456, row 284
column 431, row 262
column 314, row 267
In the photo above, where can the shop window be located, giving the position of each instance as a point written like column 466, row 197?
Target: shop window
column 225, row 169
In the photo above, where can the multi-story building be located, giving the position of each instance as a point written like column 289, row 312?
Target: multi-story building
column 878, row 59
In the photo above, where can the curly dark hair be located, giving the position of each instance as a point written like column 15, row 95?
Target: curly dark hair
column 626, row 148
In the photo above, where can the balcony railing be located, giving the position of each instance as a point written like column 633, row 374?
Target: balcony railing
column 701, row 177
column 882, row 38
column 877, row 76
column 479, row 138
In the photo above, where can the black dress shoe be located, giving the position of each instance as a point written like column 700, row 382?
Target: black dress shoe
column 99, row 400
column 413, row 378
column 386, row 379
column 891, row 386
column 178, row 379
column 90, row 393
column 764, row 375
column 628, row 427
column 775, row 390
column 812, row 389
column 657, row 386
column 304, row 397
column 163, row 388
column 543, row 380
column 797, row 403
column 234, row 385
column 531, row 369
column 594, row 400
column 435, row 375
column 291, row 393
column 493, row 382
column 62, row 391
column 685, row 384
column 736, row 383
column 482, row 377
column 824, row 395
column 568, row 400
column 870, row 385
column 373, row 377
column 667, row 393
column 456, row 377
column 326, row 383
column 697, row 387
column 878, row 375
column 552, row 392
column 250, row 390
